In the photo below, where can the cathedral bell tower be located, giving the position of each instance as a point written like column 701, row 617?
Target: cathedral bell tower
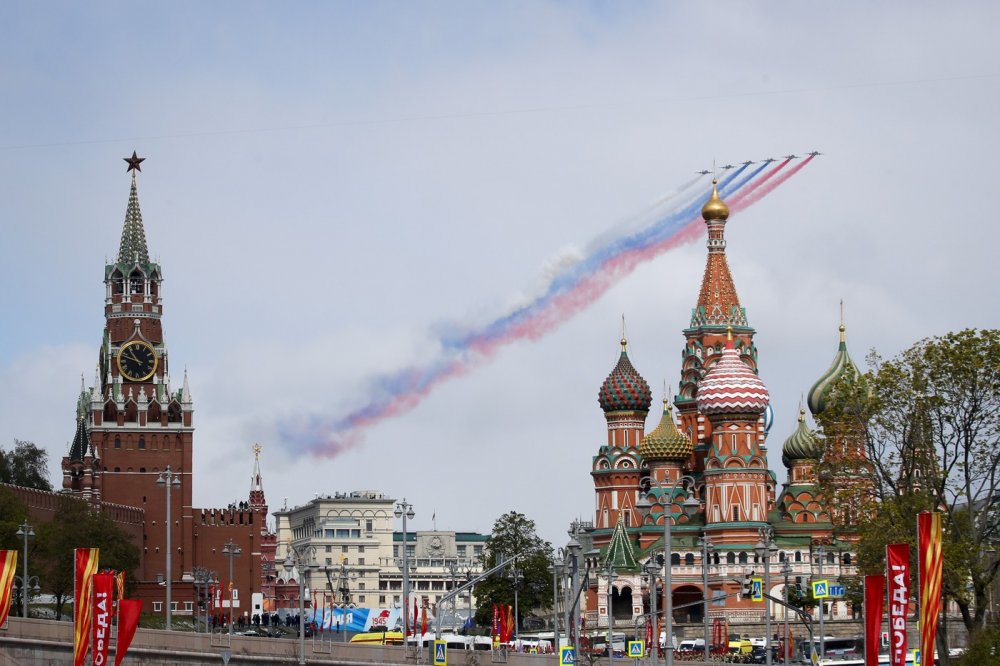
column 137, row 424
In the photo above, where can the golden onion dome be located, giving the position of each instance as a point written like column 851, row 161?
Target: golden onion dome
column 666, row 442
column 715, row 208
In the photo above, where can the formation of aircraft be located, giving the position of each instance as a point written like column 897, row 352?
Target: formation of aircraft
column 727, row 167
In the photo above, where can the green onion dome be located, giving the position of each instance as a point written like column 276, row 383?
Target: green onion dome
column 801, row 444
column 841, row 367
column 666, row 442
column 625, row 390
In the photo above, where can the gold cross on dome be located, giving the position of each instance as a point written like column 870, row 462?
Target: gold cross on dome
column 256, row 450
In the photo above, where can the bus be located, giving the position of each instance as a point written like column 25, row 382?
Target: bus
column 835, row 649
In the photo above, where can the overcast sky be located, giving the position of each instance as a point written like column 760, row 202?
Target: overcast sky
column 326, row 183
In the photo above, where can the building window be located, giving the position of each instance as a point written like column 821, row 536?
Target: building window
column 361, row 561
column 675, row 559
column 730, row 558
column 142, row 442
column 361, row 585
column 689, row 559
column 628, row 518
column 118, row 442
column 743, row 558
column 173, row 606
column 157, row 606
column 361, row 549
column 361, row 599
column 343, row 549
column 736, row 513
column 142, row 470
column 381, row 599
column 798, row 556
column 329, row 549
column 369, row 525
column 461, row 551
column 188, row 606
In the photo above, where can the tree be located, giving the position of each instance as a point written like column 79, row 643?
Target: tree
column 26, row 465
column 75, row 525
column 514, row 534
column 929, row 421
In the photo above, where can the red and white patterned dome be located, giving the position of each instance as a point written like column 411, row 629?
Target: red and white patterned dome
column 731, row 387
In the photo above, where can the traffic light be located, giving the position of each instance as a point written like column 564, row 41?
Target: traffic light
column 746, row 587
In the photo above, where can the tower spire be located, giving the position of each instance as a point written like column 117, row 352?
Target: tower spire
column 133, row 246
column 718, row 304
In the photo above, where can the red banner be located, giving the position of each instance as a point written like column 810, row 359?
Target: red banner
column 103, row 596
column 86, row 567
column 8, row 564
column 874, row 609
column 897, row 557
column 931, row 568
column 128, row 620
column 496, row 621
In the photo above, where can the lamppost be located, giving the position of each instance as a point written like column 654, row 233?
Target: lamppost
column 25, row 532
column 651, row 569
column 515, row 577
column 345, row 594
column 168, row 479
column 786, row 569
column 557, row 567
column 468, row 579
column 572, row 608
column 690, row 507
column 609, row 576
column 706, row 547
column 304, row 558
column 231, row 550
column 819, row 553
column 764, row 549
column 202, row 579
column 404, row 510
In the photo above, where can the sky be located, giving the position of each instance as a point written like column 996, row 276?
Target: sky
column 328, row 186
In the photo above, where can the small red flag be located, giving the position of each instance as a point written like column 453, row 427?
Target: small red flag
column 128, row 620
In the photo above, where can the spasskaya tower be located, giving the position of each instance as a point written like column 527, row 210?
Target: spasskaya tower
column 137, row 423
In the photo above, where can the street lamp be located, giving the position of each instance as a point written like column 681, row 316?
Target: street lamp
column 690, row 506
column 25, row 532
column 574, row 548
column 168, row 479
column 516, row 577
column 345, row 594
column 609, row 576
column 404, row 510
column 764, row 549
column 468, row 579
column 304, row 558
column 786, row 569
column 202, row 579
column 706, row 547
column 556, row 568
column 819, row 553
column 652, row 568
column 231, row 550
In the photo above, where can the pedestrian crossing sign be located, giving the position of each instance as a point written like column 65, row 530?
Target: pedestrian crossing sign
column 567, row 655
column 636, row 649
column 440, row 653
column 756, row 589
column 916, row 657
column 821, row 590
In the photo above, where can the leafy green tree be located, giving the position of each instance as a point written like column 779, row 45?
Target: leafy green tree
column 25, row 465
column 75, row 525
column 514, row 534
column 929, row 422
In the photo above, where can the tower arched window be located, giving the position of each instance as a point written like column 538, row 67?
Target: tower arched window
column 743, row 558
column 142, row 442
column 781, row 556
column 135, row 283
column 118, row 444
column 689, row 559
column 675, row 559
column 730, row 558
column 798, row 556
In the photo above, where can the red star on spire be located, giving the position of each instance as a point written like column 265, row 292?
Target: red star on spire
column 134, row 162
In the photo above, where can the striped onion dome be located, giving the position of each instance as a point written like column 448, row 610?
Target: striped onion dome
column 666, row 442
column 625, row 390
column 841, row 367
column 801, row 444
column 731, row 387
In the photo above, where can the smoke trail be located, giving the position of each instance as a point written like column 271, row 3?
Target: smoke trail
column 572, row 287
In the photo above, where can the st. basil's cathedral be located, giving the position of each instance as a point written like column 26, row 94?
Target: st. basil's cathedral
column 705, row 470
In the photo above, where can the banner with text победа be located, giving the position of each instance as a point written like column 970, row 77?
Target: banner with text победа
column 897, row 557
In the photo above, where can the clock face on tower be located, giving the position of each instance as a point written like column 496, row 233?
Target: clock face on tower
column 137, row 361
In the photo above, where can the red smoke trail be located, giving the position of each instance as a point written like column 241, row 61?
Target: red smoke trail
column 759, row 193
column 331, row 441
